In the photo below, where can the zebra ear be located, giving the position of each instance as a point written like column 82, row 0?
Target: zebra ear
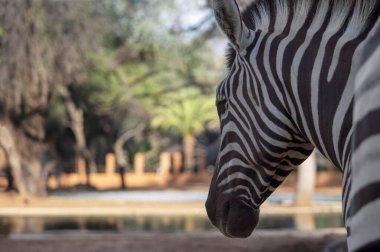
column 229, row 19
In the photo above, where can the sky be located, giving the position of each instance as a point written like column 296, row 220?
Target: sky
column 192, row 13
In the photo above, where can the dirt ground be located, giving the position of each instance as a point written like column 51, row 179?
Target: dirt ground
column 263, row 241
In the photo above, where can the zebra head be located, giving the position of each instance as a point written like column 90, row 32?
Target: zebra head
column 259, row 141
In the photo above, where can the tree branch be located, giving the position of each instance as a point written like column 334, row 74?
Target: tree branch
column 121, row 158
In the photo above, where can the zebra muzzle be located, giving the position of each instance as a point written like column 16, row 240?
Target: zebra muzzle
column 232, row 217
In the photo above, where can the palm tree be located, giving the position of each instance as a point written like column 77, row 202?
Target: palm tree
column 188, row 113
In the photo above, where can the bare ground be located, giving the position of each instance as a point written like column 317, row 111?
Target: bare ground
column 263, row 241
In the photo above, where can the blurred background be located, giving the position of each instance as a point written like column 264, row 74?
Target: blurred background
column 108, row 129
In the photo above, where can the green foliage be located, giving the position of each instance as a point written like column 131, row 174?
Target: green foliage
column 107, row 90
column 187, row 112
column 57, row 111
column 144, row 61
column 146, row 69
column 94, row 69
column 139, row 23
column 150, row 70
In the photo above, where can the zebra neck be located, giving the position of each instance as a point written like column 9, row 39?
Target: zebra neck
column 305, row 62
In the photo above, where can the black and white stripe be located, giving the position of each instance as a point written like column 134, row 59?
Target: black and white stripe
column 290, row 89
column 365, row 189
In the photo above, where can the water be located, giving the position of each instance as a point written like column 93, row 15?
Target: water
column 166, row 224
column 177, row 196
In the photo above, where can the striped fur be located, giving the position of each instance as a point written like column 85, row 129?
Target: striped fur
column 365, row 190
column 290, row 89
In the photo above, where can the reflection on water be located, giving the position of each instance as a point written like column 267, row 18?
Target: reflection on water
column 188, row 224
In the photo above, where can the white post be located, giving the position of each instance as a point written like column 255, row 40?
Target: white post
column 306, row 179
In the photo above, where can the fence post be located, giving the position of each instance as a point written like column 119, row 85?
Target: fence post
column 81, row 169
column 139, row 163
column 177, row 163
column 110, row 164
column 164, row 163
column 306, row 177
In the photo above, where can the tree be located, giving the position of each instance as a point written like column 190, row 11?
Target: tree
column 148, row 58
column 94, row 69
column 188, row 113
column 38, row 54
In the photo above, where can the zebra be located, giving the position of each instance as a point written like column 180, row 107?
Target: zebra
column 365, row 178
column 290, row 88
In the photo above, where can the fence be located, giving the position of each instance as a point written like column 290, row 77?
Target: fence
column 168, row 171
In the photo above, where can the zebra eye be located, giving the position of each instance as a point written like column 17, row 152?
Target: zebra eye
column 222, row 107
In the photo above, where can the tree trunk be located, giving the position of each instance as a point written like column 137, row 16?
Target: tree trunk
column 77, row 126
column 37, row 55
column 188, row 149
column 12, row 158
column 306, row 178
column 24, row 164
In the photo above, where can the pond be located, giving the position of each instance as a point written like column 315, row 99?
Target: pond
column 166, row 224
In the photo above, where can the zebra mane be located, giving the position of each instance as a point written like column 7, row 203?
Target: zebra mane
column 273, row 14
